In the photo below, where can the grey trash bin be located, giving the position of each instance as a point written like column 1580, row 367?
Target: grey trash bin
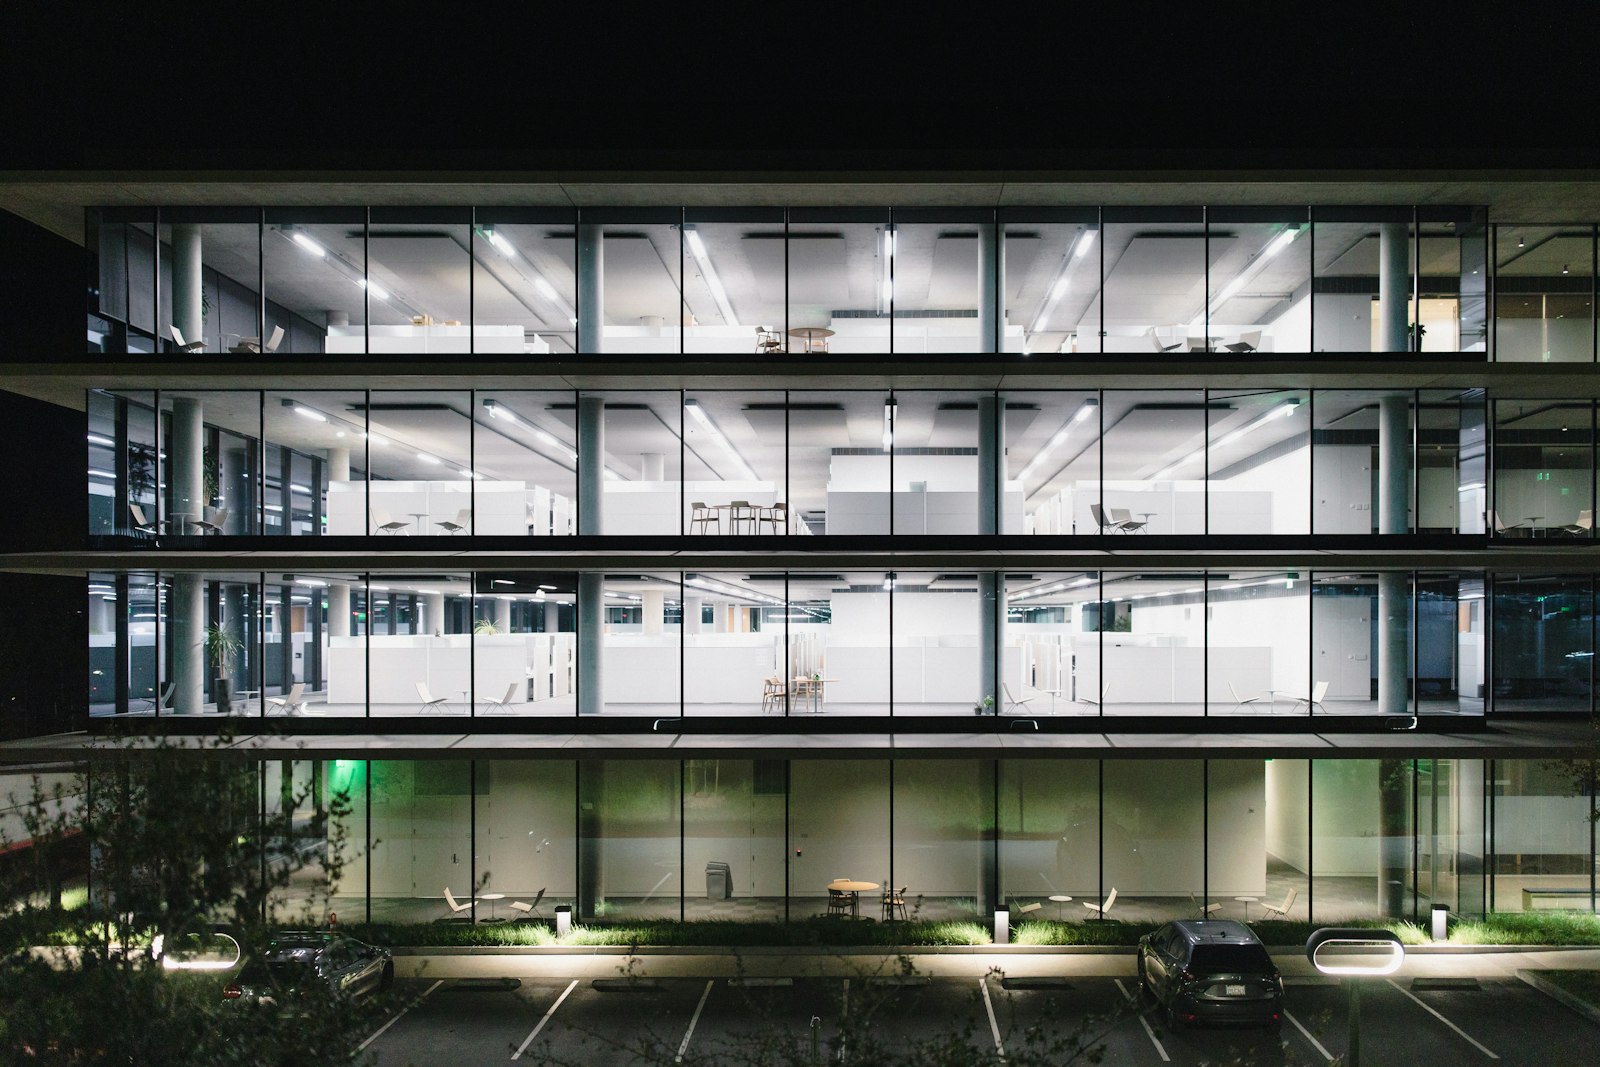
column 719, row 881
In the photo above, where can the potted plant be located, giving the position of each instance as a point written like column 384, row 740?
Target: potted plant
column 984, row 706
column 485, row 628
column 222, row 649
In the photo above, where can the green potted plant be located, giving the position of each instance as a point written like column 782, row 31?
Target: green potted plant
column 984, row 706
column 485, row 628
column 222, row 650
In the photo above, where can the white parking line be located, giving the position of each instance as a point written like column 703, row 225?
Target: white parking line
column 384, row 1028
column 1464, row 1035
column 683, row 1046
column 1314, row 1042
column 1131, row 999
column 517, row 1055
column 994, row 1027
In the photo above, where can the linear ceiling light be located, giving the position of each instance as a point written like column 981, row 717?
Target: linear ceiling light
column 698, row 412
column 709, row 273
column 1288, row 407
column 888, row 423
column 1063, row 280
column 309, row 245
column 1085, row 409
column 1283, row 240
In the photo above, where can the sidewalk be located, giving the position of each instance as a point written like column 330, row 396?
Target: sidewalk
column 1016, row 962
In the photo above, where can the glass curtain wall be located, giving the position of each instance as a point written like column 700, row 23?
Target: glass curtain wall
column 314, row 264
column 1364, row 280
column 524, row 281
column 1156, row 262
column 630, row 281
column 1259, row 280
column 1154, row 463
column 1543, row 644
column 1544, row 469
column 1051, row 283
column 210, row 263
column 1544, row 294
column 124, row 470
column 944, row 293
column 735, row 281
column 841, row 281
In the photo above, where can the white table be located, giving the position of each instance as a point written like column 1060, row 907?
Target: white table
column 492, row 898
column 1247, row 901
column 1060, row 899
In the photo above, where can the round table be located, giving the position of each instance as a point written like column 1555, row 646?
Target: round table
column 1060, row 899
column 1247, row 901
column 855, row 889
column 815, row 337
column 491, row 898
column 1533, row 530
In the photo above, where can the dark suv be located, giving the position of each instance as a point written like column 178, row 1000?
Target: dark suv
column 301, row 962
column 1210, row 970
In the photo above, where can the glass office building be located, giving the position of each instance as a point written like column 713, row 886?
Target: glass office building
column 1192, row 552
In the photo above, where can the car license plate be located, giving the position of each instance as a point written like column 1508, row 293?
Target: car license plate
column 1233, row 990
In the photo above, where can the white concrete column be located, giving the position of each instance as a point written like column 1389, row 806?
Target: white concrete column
column 991, row 287
column 338, row 609
column 187, row 310
column 591, row 464
column 552, row 617
column 591, row 643
column 654, row 604
column 591, row 288
column 691, row 615
column 100, row 620
column 1394, row 286
column 1394, row 653
column 652, row 467
column 186, row 622
column 433, row 613
column 502, row 616
column 1394, row 464
column 186, row 461
column 338, row 464
column 723, row 612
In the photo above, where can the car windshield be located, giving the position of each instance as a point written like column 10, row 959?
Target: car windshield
column 282, row 973
column 1252, row 959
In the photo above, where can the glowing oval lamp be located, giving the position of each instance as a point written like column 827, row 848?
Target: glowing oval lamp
column 1354, row 951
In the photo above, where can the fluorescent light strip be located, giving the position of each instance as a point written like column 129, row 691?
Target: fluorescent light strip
column 1085, row 409
column 694, row 408
column 709, row 273
column 309, row 245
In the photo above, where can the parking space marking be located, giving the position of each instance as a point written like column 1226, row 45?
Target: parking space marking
column 1307, row 1033
column 517, row 1055
column 683, row 1046
column 1131, row 999
column 384, row 1028
column 1464, row 1035
column 994, row 1027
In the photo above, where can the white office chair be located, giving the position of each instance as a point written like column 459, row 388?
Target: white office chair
column 1099, row 910
column 254, row 345
column 1280, row 910
column 1314, row 701
column 1125, row 522
column 1584, row 524
column 462, row 521
column 383, row 524
column 429, row 701
column 140, row 523
column 1106, row 525
column 1012, row 703
column 1247, row 342
column 526, row 910
column 290, row 703
column 1239, row 701
column 212, row 520
column 507, row 700
column 1205, row 911
column 455, row 908
column 186, row 346
column 164, row 703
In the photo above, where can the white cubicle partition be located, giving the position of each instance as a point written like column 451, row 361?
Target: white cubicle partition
column 539, row 665
column 438, row 340
column 665, row 507
column 494, row 507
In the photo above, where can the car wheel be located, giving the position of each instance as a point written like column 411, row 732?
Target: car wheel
column 1144, row 981
column 1173, row 1022
column 388, row 977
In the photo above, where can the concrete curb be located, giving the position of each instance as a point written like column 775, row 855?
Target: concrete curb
column 1555, row 992
column 902, row 950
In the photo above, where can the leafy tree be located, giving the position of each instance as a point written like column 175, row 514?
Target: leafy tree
column 176, row 842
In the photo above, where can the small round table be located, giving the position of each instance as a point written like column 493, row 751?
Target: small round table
column 1533, row 530
column 1247, row 901
column 1060, row 899
column 1146, row 515
column 855, row 889
column 491, row 898
column 815, row 337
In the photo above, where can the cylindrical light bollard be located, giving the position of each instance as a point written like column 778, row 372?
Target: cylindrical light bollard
column 1002, row 925
column 1441, row 921
column 563, row 920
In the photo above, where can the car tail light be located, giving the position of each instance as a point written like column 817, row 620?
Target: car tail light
column 232, row 991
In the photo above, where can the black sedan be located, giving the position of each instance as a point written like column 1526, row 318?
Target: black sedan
column 297, row 963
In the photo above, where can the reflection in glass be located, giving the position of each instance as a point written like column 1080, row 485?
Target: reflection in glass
column 1544, row 643
column 1154, row 845
column 421, row 840
column 1050, row 834
column 1288, row 835
column 943, row 834
column 1543, row 469
column 839, row 828
column 733, row 837
column 123, row 467
column 628, row 845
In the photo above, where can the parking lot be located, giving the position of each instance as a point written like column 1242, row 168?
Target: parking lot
column 622, row 1020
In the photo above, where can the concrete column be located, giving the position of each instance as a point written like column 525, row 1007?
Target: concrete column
column 552, row 617
column 654, row 603
column 1394, row 657
column 186, row 281
column 237, row 491
column 433, row 615
column 991, row 585
column 591, row 643
column 723, row 613
column 1394, row 464
column 591, row 288
column 100, row 616
column 502, row 616
column 186, row 460
column 591, row 464
column 186, row 622
column 652, row 467
column 338, row 464
column 991, row 287
column 691, row 615
column 1394, row 286
column 1394, row 842
column 338, row 609
column 338, row 318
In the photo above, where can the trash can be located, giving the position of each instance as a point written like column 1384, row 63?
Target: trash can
column 719, row 881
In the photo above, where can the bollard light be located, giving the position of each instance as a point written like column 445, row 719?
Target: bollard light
column 563, row 920
column 1441, row 921
column 1002, row 925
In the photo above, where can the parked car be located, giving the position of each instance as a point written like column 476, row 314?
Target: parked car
column 298, row 963
column 1210, row 971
